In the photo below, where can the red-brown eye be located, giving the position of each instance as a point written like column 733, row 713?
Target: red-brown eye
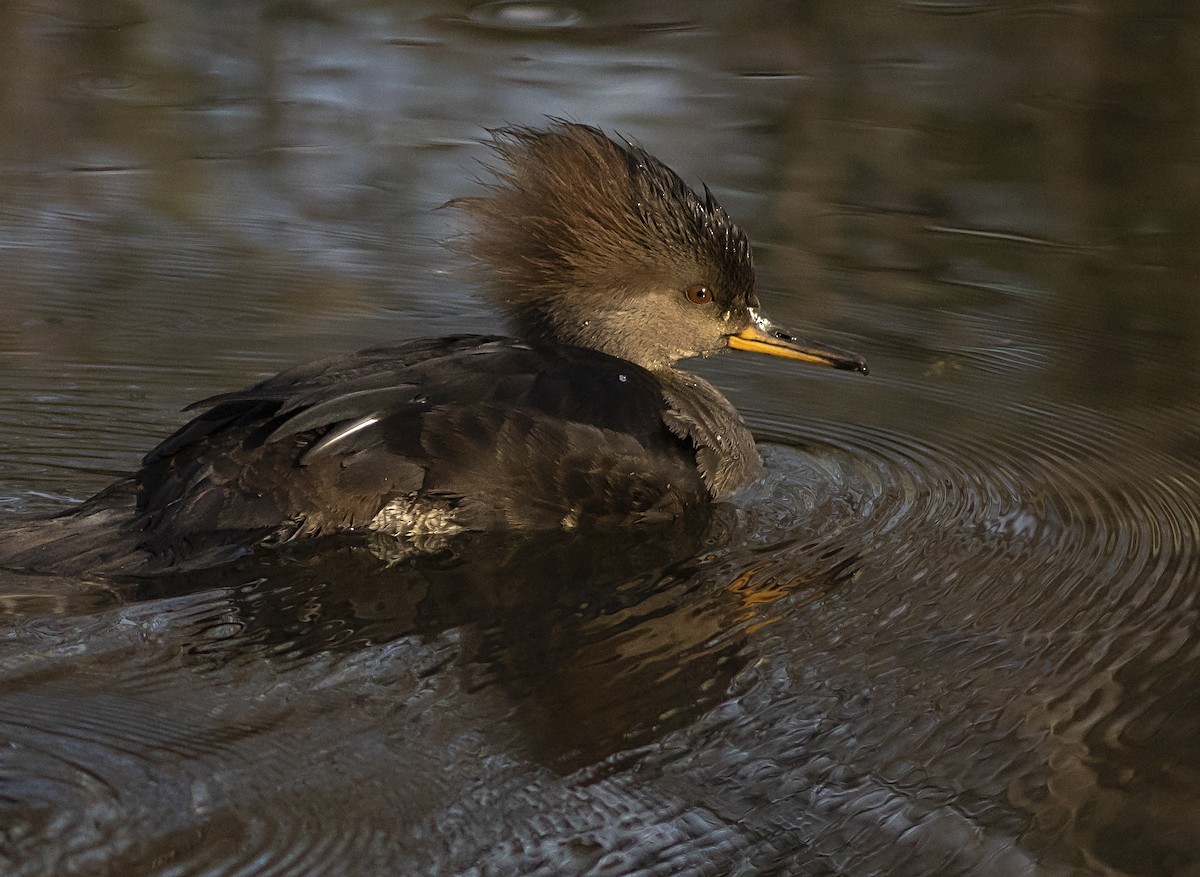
column 699, row 294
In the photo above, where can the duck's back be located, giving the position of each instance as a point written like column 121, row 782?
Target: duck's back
column 430, row 436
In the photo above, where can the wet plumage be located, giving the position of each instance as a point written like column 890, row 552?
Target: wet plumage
column 610, row 270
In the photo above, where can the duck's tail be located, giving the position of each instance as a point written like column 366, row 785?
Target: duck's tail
column 99, row 536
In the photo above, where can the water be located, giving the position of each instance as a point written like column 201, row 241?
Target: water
column 952, row 630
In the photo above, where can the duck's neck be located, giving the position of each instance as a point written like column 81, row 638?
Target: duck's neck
column 614, row 333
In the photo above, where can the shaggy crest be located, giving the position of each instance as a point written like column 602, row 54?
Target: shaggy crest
column 575, row 214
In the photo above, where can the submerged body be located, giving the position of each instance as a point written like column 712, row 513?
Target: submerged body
column 611, row 270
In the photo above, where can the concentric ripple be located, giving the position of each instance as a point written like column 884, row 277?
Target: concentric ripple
column 1093, row 511
column 1022, row 589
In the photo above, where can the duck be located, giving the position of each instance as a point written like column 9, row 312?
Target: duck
column 609, row 269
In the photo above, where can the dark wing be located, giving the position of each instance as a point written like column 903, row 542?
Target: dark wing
column 501, row 434
column 324, row 381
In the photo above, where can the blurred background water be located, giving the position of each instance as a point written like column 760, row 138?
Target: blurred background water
column 952, row 630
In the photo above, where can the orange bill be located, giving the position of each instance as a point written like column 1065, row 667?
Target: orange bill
column 762, row 336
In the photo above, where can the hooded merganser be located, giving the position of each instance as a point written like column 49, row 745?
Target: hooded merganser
column 610, row 269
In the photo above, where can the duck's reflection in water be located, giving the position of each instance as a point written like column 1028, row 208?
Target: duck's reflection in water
column 601, row 642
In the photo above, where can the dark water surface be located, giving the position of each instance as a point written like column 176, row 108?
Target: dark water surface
column 953, row 630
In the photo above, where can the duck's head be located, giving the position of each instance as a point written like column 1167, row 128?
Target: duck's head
column 595, row 243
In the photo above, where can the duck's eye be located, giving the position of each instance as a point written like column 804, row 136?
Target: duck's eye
column 699, row 294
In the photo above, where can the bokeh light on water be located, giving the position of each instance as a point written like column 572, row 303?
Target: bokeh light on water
column 954, row 628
